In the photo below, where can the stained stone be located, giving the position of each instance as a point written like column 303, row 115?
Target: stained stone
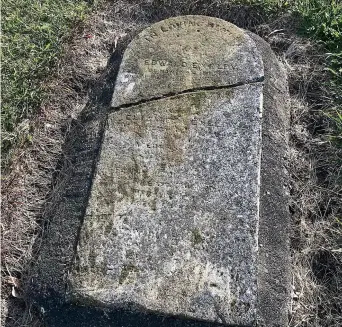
column 172, row 220
column 186, row 53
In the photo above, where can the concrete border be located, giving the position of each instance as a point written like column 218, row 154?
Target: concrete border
column 274, row 275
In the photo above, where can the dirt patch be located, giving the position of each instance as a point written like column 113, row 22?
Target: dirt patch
column 79, row 94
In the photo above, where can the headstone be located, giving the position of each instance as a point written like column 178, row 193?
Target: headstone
column 173, row 216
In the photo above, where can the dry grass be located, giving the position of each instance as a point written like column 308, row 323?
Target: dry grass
column 30, row 181
column 316, row 194
column 316, row 233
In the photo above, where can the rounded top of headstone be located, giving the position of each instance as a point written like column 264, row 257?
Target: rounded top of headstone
column 186, row 53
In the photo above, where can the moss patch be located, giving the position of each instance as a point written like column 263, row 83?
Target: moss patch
column 197, row 237
column 126, row 271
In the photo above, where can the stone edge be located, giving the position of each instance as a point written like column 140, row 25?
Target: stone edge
column 274, row 274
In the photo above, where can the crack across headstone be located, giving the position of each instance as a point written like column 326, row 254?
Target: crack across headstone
column 188, row 91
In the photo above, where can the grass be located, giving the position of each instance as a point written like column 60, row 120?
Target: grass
column 321, row 20
column 32, row 36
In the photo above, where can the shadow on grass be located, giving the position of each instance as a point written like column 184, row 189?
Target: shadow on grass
column 45, row 285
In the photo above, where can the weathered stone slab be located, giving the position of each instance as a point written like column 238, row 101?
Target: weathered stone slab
column 185, row 53
column 173, row 217
column 172, row 220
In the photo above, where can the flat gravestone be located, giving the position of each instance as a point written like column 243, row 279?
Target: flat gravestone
column 172, row 220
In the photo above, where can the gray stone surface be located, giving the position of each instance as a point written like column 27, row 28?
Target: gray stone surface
column 172, row 223
column 185, row 53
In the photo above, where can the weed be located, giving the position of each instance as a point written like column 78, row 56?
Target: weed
column 322, row 19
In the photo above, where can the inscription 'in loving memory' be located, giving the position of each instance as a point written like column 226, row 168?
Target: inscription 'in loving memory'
column 185, row 25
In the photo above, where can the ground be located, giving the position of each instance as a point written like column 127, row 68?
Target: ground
column 33, row 171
